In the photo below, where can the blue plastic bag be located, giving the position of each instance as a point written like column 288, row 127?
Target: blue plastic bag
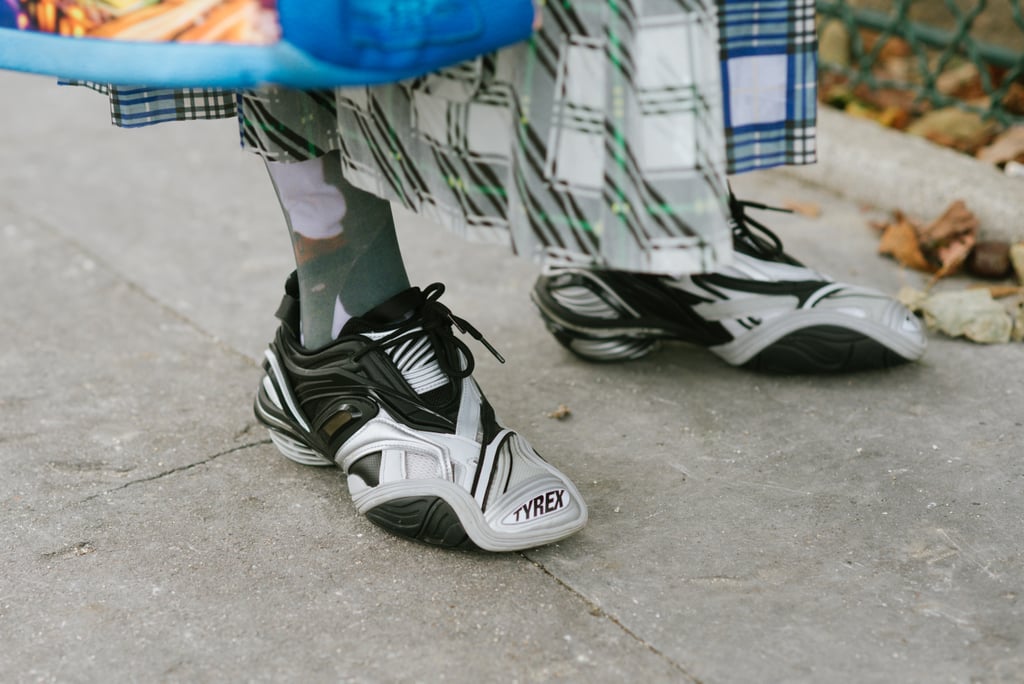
column 311, row 43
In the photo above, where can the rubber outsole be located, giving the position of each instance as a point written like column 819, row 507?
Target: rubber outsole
column 427, row 519
column 604, row 350
column 808, row 350
column 820, row 349
column 824, row 349
column 449, row 519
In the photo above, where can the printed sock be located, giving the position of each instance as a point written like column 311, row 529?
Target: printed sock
column 346, row 249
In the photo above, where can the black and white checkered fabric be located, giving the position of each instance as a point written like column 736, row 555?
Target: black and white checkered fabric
column 605, row 140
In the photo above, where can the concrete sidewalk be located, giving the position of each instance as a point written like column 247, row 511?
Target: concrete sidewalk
column 744, row 528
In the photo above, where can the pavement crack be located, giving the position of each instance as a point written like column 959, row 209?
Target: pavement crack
column 598, row 611
column 70, row 551
column 172, row 471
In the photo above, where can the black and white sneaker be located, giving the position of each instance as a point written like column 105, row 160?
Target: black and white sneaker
column 766, row 311
column 392, row 402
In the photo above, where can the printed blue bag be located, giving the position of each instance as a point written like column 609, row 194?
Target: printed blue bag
column 245, row 43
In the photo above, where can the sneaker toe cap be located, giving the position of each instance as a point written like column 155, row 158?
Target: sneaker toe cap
column 532, row 498
column 881, row 317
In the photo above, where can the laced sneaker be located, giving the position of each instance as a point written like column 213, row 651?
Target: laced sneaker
column 392, row 402
column 767, row 311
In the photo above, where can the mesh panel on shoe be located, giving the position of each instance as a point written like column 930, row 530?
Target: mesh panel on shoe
column 421, row 466
column 368, row 469
column 417, row 362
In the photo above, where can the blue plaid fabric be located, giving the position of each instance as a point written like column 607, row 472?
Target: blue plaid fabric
column 768, row 51
column 134, row 107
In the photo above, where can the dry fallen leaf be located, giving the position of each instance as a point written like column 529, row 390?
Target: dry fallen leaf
column 884, row 98
column 888, row 106
column 891, row 117
column 941, row 247
column 956, row 221
column 898, row 69
column 808, row 209
column 1007, row 146
column 858, row 109
column 894, row 117
column 900, row 242
column 960, row 80
column 560, row 413
column 1014, row 100
column 892, row 47
column 954, row 127
column 952, row 255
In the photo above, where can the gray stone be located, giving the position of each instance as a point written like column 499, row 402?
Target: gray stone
column 970, row 313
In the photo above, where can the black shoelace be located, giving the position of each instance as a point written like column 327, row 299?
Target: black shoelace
column 434, row 321
column 764, row 243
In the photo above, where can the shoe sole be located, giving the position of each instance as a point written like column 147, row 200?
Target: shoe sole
column 427, row 519
column 424, row 518
column 440, row 513
column 434, row 512
column 415, row 510
column 824, row 349
column 811, row 341
column 819, row 341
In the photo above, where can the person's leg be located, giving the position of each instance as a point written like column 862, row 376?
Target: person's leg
column 381, row 386
column 346, row 251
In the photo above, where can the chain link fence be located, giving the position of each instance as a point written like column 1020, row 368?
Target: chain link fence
column 940, row 53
